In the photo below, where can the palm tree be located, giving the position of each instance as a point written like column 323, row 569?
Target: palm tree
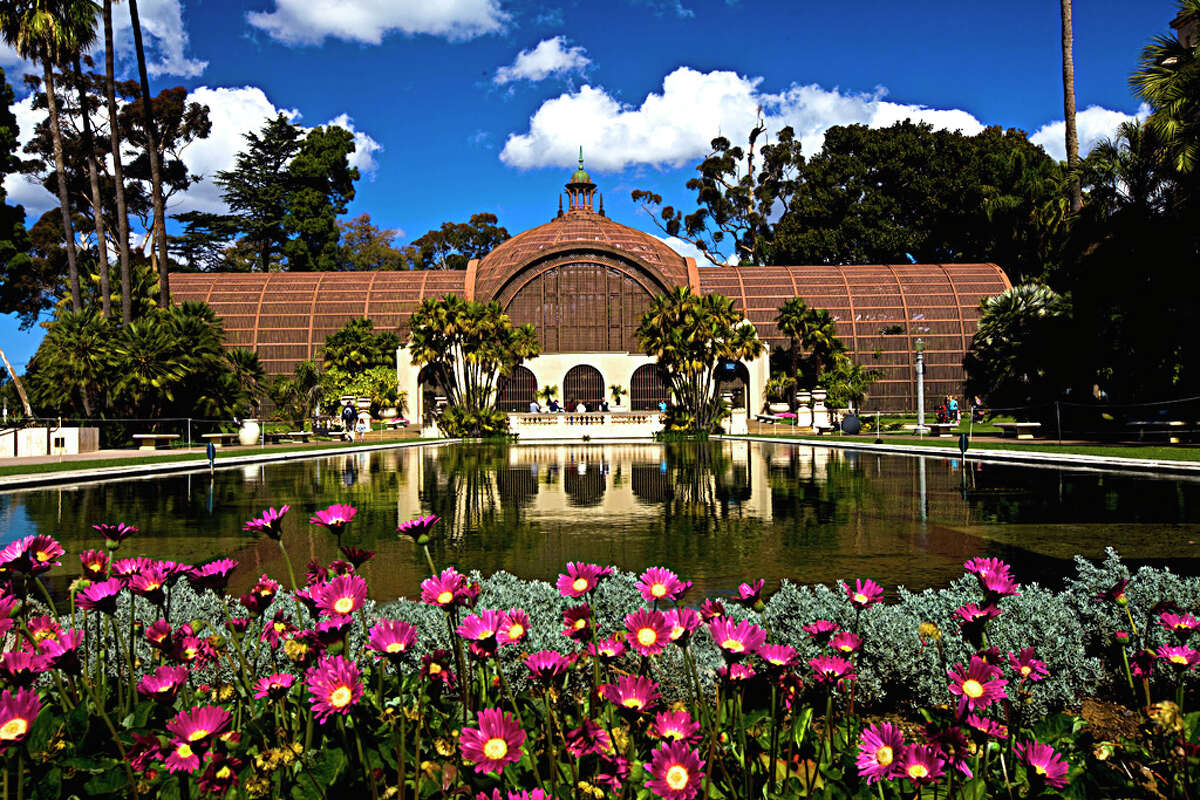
column 791, row 322
column 1169, row 80
column 1068, row 69
column 52, row 31
column 820, row 340
column 114, row 136
column 160, row 218
column 76, row 361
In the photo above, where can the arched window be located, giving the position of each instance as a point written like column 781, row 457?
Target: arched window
column 516, row 391
column 583, row 384
column 433, row 394
column 647, row 389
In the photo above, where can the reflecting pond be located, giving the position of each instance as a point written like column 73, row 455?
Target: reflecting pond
column 718, row 513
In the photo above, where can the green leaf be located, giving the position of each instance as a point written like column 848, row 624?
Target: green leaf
column 107, row 782
column 43, row 728
column 50, row 785
column 974, row 789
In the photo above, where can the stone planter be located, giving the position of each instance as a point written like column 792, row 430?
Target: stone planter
column 250, row 432
column 389, row 413
column 778, row 408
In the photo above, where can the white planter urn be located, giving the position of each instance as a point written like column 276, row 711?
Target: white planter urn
column 778, row 408
column 250, row 432
column 389, row 413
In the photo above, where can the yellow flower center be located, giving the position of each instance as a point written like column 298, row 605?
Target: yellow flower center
column 1039, row 769
column 341, row 697
column 14, row 729
column 197, row 735
column 42, row 555
column 484, row 634
column 1026, row 669
column 676, row 632
column 184, row 750
column 495, row 749
column 733, row 645
column 972, row 688
column 280, row 627
column 646, row 636
column 445, row 597
column 859, row 597
column 150, row 587
column 658, row 590
column 434, row 669
column 1178, row 659
column 632, row 702
column 344, row 605
column 394, row 647
column 918, row 771
column 580, row 623
column 580, row 585
column 846, row 647
column 189, row 653
column 516, row 630
column 224, row 772
column 884, row 756
column 677, row 777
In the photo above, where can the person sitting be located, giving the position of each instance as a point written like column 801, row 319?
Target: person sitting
column 604, row 406
column 534, row 408
column 554, row 405
column 662, row 406
column 580, row 408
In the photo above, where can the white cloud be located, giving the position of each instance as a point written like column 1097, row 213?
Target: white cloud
column 301, row 22
column 689, row 250
column 676, row 125
column 1091, row 125
column 25, row 189
column 163, row 33
column 549, row 57
column 365, row 147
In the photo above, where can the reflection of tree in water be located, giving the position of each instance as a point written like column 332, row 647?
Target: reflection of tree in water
column 815, row 505
column 461, row 486
column 584, row 483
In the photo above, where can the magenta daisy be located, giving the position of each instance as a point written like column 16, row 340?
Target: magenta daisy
column 846, row 642
column 334, row 685
column 982, row 567
column 750, row 594
column 649, row 631
column 683, row 622
column 42, row 553
column 333, row 629
column 736, row 641
column 778, row 656
column 100, row 596
column 158, row 634
column 577, row 623
column 213, row 576
column 443, row 589
column 677, row 725
column 418, row 529
column 259, row 598
column 711, row 609
column 42, row 628
column 1043, row 763
column 514, row 627
column 831, row 669
column 659, row 583
column 200, row 725
column 588, row 739
column 1029, row 668
column 114, row 532
column 865, row 593
column 986, row 726
column 977, row 685
column 345, row 594
column 922, row 764
column 274, row 686
column 481, row 630
column 1181, row 624
column 392, row 639
column 277, row 629
column 182, row 758
column 495, row 744
column 150, row 583
column 607, row 649
column 62, row 652
column 880, row 748
column 820, row 630
column 632, row 692
column 269, row 522
column 18, row 710
column 435, row 667
column 581, row 578
column 335, row 518
column 1115, row 593
column 1178, row 656
column 21, row 667
column 94, row 563
column 546, row 665
column 357, row 556
column 220, row 776
column 736, row 672
column 164, row 684
column 676, row 771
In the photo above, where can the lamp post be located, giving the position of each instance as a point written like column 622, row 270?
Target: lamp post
column 919, row 344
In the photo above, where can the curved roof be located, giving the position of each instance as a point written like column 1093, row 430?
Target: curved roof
column 577, row 230
column 286, row 316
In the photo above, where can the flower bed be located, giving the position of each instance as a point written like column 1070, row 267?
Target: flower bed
column 153, row 682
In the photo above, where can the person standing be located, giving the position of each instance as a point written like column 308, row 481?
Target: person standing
column 952, row 407
column 348, row 421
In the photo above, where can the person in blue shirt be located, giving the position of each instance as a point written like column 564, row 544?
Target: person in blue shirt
column 952, row 407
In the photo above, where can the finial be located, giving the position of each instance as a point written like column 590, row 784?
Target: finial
column 581, row 156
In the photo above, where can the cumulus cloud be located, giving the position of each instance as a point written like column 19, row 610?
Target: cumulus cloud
column 25, row 189
column 551, row 57
column 689, row 250
column 304, row 22
column 1091, row 125
column 675, row 126
column 164, row 36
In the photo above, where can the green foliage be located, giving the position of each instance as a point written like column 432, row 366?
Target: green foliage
column 357, row 347
column 458, row 421
column 21, row 292
column 367, row 247
column 455, row 243
column 376, row 383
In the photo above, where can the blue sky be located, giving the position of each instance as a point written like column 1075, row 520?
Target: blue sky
column 461, row 106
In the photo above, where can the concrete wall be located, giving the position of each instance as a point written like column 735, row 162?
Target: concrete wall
column 52, row 441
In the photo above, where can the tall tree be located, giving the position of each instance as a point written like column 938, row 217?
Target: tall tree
column 89, row 149
column 156, row 190
column 320, row 184
column 1168, row 78
column 454, row 244
column 368, row 247
column 1068, row 71
column 52, row 32
column 114, row 137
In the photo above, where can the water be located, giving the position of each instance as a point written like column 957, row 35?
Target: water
column 718, row 513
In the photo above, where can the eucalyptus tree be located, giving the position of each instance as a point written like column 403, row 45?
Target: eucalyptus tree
column 52, row 32
column 692, row 337
column 114, row 139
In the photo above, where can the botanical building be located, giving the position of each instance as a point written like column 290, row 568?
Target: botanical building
column 584, row 281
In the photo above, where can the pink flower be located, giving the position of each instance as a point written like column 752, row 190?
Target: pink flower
column 711, row 609
column 879, row 750
column 115, row 532
column 735, row 672
column 418, row 529
column 831, row 669
column 273, row 686
column 649, row 631
column 514, row 627
column 21, row 667
column 977, row 685
column 581, row 578
column 736, row 641
column 820, row 630
column 269, row 522
column 18, row 710
column 150, row 583
column 42, row 553
column 435, row 667
column 683, row 622
column 588, row 739
column 1028, row 667
column 443, row 589
column 577, row 623
column 546, row 665
column 1115, row 593
column 335, row 686
column 1043, row 762
column 392, row 639
column 659, row 583
column 608, row 649
column 922, row 764
column 677, row 725
column 1182, row 624
column 277, row 629
column 259, row 598
column 357, row 556
column 481, row 631
column 779, row 656
column 200, row 725
column 62, row 652
column 213, row 576
column 95, row 564
column 100, row 596
column 988, row 727
column 676, row 771
column 632, row 692
column 345, row 594
column 164, row 684
column 865, row 593
column 495, row 744
column 750, row 594
column 846, row 642
column 1179, row 656
column 335, row 518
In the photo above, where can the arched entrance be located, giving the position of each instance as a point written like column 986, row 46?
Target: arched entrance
column 583, row 384
column 516, row 391
column 733, row 380
column 434, row 396
column 647, row 389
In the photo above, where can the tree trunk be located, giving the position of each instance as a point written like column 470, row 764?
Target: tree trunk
column 114, row 136
column 64, row 201
column 160, row 217
column 1068, row 56
column 17, row 382
column 89, row 147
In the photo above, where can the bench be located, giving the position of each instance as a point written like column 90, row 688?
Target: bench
column 1174, row 429
column 220, row 439
column 301, row 436
column 154, row 441
column 1018, row 430
column 935, row 428
column 820, row 429
column 398, row 422
column 771, row 418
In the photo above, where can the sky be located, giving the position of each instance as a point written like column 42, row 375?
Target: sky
column 463, row 106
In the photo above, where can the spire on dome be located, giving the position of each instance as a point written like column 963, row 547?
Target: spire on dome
column 580, row 189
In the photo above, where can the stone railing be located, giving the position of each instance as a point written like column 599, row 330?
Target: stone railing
column 593, row 425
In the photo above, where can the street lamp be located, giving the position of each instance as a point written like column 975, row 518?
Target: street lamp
column 919, row 346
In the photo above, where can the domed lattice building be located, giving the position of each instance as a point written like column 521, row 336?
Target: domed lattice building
column 584, row 282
